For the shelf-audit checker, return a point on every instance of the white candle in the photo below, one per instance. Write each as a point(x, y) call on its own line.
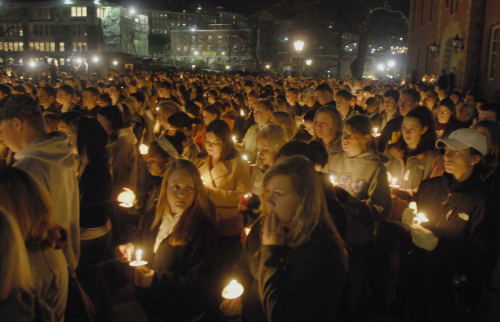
point(233, 290)
point(393, 183)
point(245, 157)
point(138, 259)
point(143, 149)
point(332, 180)
point(394, 180)
point(138, 255)
point(375, 132)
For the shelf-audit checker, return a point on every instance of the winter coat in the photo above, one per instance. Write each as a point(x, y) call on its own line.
point(225, 182)
point(290, 284)
point(50, 160)
point(123, 160)
point(183, 274)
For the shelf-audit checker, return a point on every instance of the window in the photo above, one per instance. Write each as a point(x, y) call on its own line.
point(61, 61)
point(52, 46)
point(185, 38)
point(209, 47)
point(79, 12)
point(178, 38)
point(193, 38)
point(200, 48)
point(454, 6)
point(178, 48)
point(219, 38)
point(493, 52)
point(422, 13)
point(192, 47)
point(200, 38)
point(220, 48)
point(431, 12)
point(209, 38)
point(61, 46)
point(185, 48)
point(235, 48)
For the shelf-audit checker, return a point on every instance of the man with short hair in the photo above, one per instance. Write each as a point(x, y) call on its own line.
point(343, 98)
point(64, 97)
point(310, 101)
point(47, 99)
point(90, 95)
point(324, 94)
point(48, 157)
point(291, 97)
point(4, 90)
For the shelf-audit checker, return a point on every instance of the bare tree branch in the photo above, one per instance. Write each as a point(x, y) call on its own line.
point(392, 11)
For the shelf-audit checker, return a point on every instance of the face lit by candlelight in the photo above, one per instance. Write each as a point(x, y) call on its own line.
point(213, 145)
point(180, 191)
point(266, 152)
point(281, 198)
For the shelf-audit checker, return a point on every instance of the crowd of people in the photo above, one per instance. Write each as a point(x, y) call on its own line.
point(326, 199)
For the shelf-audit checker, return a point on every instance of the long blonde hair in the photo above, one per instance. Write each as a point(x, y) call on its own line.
point(313, 209)
point(284, 120)
point(14, 264)
point(30, 203)
point(201, 206)
point(274, 134)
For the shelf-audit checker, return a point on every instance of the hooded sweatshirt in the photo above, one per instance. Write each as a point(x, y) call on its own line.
point(50, 160)
point(365, 178)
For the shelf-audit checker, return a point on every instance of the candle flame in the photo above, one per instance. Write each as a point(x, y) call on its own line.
point(143, 149)
point(234, 138)
point(232, 290)
point(245, 157)
point(394, 180)
point(332, 180)
point(421, 218)
point(139, 253)
point(242, 113)
point(375, 130)
point(413, 205)
point(126, 198)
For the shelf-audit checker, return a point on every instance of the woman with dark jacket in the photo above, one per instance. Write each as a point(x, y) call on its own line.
point(294, 263)
point(446, 122)
point(179, 241)
point(445, 271)
point(95, 184)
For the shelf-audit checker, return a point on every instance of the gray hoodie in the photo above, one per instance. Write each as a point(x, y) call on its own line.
point(50, 160)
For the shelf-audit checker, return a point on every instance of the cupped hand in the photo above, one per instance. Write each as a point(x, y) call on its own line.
point(143, 276)
point(124, 252)
point(273, 232)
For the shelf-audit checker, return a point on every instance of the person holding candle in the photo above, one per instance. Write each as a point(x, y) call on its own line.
point(42, 236)
point(180, 121)
point(460, 209)
point(446, 119)
point(363, 190)
point(294, 263)
point(227, 176)
point(179, 242)
point(262, 112)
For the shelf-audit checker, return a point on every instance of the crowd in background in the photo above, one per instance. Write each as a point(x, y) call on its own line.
point(326, 199)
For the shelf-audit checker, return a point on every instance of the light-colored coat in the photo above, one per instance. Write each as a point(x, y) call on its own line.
point(225, 182)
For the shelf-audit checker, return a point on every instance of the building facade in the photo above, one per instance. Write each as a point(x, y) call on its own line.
point(461, 34)
point(31, 31)
point(219, 45)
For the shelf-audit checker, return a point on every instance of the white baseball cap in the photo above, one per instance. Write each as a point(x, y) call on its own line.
point(465, 138)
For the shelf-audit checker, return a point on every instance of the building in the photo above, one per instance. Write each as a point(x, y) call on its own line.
point(219, 46)
point(464, 34)
point(60, 29)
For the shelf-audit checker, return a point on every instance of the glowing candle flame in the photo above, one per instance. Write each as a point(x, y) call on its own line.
point(375, 130)
point(394, 180)
point(234, 138)
point(246, 196)
point(421, 218)
point(242, 113)
point(332, 180)
point(203, 180)
point(245, 157)
point(138, 255)
point(143, 148)
point(126, 198)
point(232, 290)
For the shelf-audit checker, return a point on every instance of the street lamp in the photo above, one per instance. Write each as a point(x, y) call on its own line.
point(115, 62)
point(458, 44)
point(78, 60)
point(227, 67)
point(95, 59)
point(267, 66)
point(299, 45)
point(391, 63)
point(380, 67)
point(32, 64)
point(196, 53)
point(309, 62)
point(132, 11)
point(193, 66)
point(434, 48)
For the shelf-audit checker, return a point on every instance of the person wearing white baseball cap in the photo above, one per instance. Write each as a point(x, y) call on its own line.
point(448, 255)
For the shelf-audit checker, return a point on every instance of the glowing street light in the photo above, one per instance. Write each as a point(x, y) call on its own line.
point(309, 62)
point(299, 46)
point(227, 67)
point(391, 63)
point(79, 60)
point(193, 66)
point(32, 64)
point(196, 53)
point(132, 11)
point(267, 66)
point(95, 59)
point(380, 67)
point(115, 62)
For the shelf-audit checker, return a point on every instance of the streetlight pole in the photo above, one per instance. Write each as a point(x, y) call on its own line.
point(299, 45)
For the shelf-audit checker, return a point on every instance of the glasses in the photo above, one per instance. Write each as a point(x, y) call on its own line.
point(1, 126)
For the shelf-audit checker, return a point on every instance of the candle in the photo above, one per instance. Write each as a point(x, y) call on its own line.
point(393, 183)
point(157, 108)
point(245, 157)
point(126, 198)
point(420, 218)
point(203, 180)
point(413, 205)
point(233, 290)
point(242, 113)
point(234, 138)
point(138, 259)
point(332, 180)
point(375, 132)
point(143, 149)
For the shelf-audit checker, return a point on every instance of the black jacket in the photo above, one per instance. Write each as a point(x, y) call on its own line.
point(283, 284)
point(452, 126)
point(95, 194)
point(457, 213)
point(183, 275)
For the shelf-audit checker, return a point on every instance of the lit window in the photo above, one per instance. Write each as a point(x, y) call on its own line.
point(52, 46)
point(61, 46)
point(493, 53)
point(61, 61)
point(42, 46)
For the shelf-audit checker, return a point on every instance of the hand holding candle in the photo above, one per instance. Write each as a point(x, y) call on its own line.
point(232, 290)
point(393, 183)
point(126, 198)
point(332, 180)
point(420, 218)
point(234, 139)
point(138, 259)
point(375, 132)
point(242, 113)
